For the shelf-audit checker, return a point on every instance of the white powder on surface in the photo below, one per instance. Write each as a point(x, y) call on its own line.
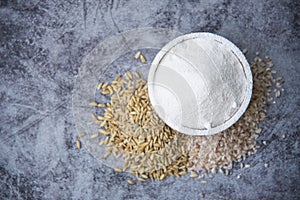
point(200, 84)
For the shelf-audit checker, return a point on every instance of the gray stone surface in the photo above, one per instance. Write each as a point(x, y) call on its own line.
point(42, 44)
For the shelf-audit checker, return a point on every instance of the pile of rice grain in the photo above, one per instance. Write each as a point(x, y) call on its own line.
point(149, 148)
point(218, 152)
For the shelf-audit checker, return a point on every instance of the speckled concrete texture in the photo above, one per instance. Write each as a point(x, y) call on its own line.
point(42, 45)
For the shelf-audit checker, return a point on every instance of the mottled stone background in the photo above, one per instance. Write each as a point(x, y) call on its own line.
point(42, 44)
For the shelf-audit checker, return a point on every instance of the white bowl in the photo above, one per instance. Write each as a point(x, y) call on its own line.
point(200, 84)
